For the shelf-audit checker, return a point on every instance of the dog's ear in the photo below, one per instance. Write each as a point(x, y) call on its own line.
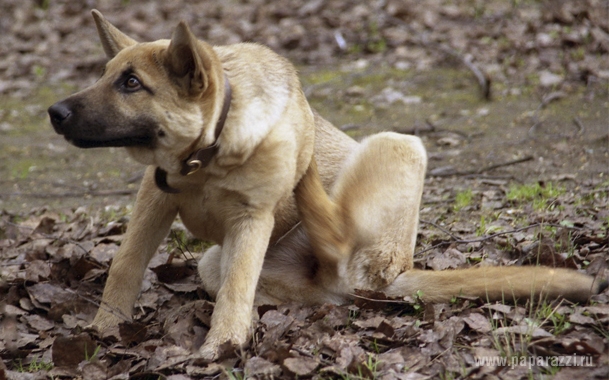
point(187, 60)
point(112, 39)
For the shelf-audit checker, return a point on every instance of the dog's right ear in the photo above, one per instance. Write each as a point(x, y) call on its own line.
point(112, 39)
point(188, 60)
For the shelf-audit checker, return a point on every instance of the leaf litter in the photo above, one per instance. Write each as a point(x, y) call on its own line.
point(54, 266)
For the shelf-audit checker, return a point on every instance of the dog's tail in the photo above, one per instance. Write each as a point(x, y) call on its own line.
point(495, 284)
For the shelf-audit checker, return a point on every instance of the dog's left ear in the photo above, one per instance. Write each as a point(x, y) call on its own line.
point(188, 60)
point(112, 39)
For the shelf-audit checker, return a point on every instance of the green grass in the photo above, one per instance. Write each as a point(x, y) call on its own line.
point(540, 196)
point(463, 199)
point(547, 314)
point(36, 365)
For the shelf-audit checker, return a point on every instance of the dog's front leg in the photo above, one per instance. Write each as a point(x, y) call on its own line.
point(243, 253)
point(150, 222)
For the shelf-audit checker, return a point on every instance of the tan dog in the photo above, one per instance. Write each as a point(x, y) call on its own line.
point(234, 149)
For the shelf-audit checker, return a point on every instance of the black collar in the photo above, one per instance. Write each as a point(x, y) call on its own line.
point(202, 157)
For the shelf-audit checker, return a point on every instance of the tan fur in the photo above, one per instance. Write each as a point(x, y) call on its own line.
point(278, 162)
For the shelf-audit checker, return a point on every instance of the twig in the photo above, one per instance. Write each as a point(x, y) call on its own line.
point(485, 238)
point(580, 126)
point(447, 232)
point(484, 169)
point(483, 79)
point(102, 305)
point(508, 163)
point(478, 240)
point(401, 302)
point(76, 194)
point(552, 96)
point(323, 361)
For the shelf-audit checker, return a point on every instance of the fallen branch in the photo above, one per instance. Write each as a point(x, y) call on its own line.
point(580, 126)
point(74, 194)
point(456, 240)
point(448, 173)
point(478, 240)
point(484, 81)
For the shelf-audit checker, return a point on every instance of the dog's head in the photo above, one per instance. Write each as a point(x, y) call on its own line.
point(159, 99)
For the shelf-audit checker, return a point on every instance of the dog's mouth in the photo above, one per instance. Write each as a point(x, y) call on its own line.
point(145, 141)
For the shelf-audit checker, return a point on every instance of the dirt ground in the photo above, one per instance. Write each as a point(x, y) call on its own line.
point(510, 98)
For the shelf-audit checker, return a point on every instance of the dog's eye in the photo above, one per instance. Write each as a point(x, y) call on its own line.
point(132, 84)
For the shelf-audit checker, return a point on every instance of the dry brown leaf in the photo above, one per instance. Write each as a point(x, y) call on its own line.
point(132, 333)
point(71, 350)
point(301, 366)
point(259, 367)
point(451, 258)
point(37, 270)
point(478, 322)
point(171, 273)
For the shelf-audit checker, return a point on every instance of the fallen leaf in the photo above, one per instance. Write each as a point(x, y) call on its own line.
point(478, 322)
point(71, 350)
point(301, 366)
point(259, 367)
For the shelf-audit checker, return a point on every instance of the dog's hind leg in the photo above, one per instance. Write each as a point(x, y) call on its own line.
point(210, 270)
point(380, 188)
point(366, 230)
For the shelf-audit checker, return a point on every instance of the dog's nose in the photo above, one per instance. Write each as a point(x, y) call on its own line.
point(59, 113)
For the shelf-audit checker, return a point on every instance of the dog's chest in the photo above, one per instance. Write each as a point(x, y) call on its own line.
point(202, 217)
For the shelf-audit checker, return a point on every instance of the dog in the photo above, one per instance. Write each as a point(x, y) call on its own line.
point(300, 212)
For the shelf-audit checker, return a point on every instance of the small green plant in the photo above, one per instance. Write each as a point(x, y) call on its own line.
point(372, 364)
point(481, 230)
point(93, 356)
point(540, 196)
point(181, 242)
point(418, 306)
point(235, 374)
point(375, 346)
point(353, 315)
point(548, 314)
point(463, 199)
point(39, 71)
point(44, 4)
point(36, 365)
point(509, 344)
point(377, 44)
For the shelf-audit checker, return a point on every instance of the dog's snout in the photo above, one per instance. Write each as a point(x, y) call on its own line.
point(59, 114)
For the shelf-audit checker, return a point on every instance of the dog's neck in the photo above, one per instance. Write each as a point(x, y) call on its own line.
point(201, 157)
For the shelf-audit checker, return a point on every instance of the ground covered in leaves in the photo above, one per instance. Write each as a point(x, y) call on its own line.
point(54, 266)
point(525, 188)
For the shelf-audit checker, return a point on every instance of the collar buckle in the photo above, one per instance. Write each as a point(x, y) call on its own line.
point(202, 157)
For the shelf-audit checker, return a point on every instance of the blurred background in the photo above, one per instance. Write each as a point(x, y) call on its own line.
point(483, 82)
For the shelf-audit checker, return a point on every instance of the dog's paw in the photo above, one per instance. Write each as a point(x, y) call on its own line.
point(376, 268)
point(208, 352)
point(104, 321)
point(211, 351)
